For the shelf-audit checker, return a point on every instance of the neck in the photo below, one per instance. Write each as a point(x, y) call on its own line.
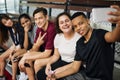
point(45, 26)
point(69, 35)
point(88, 35)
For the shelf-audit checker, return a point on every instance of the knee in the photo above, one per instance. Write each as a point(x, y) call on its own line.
point(2, 59)
point(37, 65)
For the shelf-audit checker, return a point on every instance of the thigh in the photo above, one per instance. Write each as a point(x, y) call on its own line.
point(4, 55)
point(77, 76)
point(58, 64)
point(41, 62)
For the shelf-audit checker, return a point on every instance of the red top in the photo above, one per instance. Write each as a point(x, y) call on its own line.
point(49, 37)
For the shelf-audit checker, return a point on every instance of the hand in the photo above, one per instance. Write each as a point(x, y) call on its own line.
point(11, 54)
point(17, 47)
point(40, 38)
point(26, 28)
point(22, 62)
point(116, 14)
point(52, 77)
point(48, 68)
point(12, 47)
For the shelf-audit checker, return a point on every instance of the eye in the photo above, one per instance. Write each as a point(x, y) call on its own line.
point(74, 26)
point(61, 22)
point(67, 20)
point(26, 21)
point(80, 23)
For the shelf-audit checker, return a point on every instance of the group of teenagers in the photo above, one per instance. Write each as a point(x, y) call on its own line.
point(69, 49)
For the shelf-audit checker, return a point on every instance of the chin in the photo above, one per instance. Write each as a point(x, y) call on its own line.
point(39, 26)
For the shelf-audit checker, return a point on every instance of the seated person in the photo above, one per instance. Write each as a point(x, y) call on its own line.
point(93, 49)
point(64, 46)
point(27, 34)
point(43, 43)
point(8, 27)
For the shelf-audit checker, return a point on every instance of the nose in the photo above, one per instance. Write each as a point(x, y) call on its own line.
point(25, 24)
point(9, 23)
point(65, 23)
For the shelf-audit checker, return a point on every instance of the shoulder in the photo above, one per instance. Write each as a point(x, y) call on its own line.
point(51, 24)
point(99, 31)
point(81, 40)
point(77, 35)
point(58, 36)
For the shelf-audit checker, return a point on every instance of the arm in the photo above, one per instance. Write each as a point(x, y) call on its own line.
point(37, 55)
point(19, 53)
point(75, 66)
point(114, 35)
point(53, 59)
point(4, 47)
point(66, 70)
point(26, 41)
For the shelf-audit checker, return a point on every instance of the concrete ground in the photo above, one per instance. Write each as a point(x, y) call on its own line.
point(116, 73)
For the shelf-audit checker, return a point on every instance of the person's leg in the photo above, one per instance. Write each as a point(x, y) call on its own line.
point(30, 70)
point(14, 70)
point(22, 71)
point(41, 73)
point(3, 57)
point(40, 63)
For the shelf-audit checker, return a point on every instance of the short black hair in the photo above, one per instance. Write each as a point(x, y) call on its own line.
point(41, 9)
point(78, 14)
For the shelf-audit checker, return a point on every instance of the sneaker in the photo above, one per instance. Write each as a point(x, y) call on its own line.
point(23, 76)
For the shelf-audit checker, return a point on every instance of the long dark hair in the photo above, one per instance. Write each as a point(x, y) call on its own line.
point(4, 36)
point(6, 17)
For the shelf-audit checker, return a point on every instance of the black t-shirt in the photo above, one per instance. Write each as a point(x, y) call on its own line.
point(97, 55)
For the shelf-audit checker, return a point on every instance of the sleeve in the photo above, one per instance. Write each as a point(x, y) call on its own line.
point(56, 41)
point(51, 35)
point(101, 34)
point(80, 51)
point(77, 55)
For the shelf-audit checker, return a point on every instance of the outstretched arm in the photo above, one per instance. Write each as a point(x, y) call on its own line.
point(114, 35)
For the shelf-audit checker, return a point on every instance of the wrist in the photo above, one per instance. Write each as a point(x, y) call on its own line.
point(36, 45)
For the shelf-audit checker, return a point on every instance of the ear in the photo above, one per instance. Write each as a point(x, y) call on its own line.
point(88, 21)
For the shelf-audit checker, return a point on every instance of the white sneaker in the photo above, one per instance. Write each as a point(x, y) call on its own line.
point(23, 76)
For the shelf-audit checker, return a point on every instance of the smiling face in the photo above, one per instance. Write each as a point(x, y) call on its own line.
point(7, 22)
point(65, 24)
point(40, 19)
point(25, 22)
point(81, 25)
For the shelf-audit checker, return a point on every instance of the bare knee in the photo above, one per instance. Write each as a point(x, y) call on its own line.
point(38, 65)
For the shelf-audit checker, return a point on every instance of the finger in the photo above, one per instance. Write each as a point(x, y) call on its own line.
point(116, 11)
point(43, 35)
point(115, 7)
point(114, 20)
point(39, 35)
